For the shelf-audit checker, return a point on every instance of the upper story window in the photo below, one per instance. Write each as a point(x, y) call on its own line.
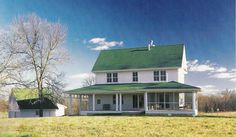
point(112, 77)
point(115, 77)
point(156, 76)
point(159, 75)
point(163, 75)
point(109, 79)
point(135, 76)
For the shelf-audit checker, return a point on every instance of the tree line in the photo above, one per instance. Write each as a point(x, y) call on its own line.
point(223, 101)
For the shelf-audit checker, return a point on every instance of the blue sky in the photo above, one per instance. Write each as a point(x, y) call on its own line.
point(206, 27)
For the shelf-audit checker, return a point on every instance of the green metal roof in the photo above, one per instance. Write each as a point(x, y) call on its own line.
point(27, 98)
point(27, 93)
point(35, 104)
point(133, 87)
point(137, 58)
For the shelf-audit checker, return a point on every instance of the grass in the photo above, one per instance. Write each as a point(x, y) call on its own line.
point(217, 125)
point(3, 114)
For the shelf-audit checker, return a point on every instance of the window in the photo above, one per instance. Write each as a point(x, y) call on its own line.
point(167, 100)
point(114, 99)
point(115, 77)
point(159, 75)
point(162, 100)
point(122, 99)
point(36, 112)
point(109, 79)
point(135, 101)
point(156, 76)
point(163, 75)
point(135, 76)
point(98, 101)
point(112, 77)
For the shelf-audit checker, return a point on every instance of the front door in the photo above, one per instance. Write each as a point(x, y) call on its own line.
point(138, 101)
point(141, 101)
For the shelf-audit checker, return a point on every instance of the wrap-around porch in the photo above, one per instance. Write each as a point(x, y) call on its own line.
point(132, 103)
point(149, 98)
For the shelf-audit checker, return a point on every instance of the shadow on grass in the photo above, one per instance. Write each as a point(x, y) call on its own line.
point(143, 115)
point(216, 116)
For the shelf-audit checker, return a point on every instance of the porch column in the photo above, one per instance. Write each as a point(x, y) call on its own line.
point(70, 104)
point(194, 104)
point(145, 101)
point(117, 102)
point(120, 102)
point(93, 102)
point(79, 101)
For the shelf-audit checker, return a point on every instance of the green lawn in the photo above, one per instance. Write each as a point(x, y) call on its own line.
point(221, 125)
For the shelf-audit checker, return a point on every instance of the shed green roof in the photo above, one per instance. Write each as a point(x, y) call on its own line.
point(27, 93)
point(133, 87)
point(35, 104)
point(139, 58)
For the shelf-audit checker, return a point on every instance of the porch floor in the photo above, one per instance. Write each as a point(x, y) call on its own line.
point(111, 112)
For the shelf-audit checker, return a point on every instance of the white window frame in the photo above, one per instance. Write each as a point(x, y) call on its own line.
point(156, 76)
point(111, 78)
point(135, 77)
point(159, 76)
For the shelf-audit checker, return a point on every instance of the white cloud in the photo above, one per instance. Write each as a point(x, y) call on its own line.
point(233, 79)
point(222, 75)
point(81, 76)
point(221, 69)
point(195, 66)
point(3, 31)
point(76, 80)
point(230, 75)
point(213, 70)
point(209, 89)
point(102, 44)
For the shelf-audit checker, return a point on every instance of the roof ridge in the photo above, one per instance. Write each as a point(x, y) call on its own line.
point(164, 45)
point(33, 99)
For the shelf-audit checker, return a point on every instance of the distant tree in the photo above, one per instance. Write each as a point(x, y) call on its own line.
point(3, 105)
point(90, 80)
point(39, 51)
point(227, 99)
point(224, 101)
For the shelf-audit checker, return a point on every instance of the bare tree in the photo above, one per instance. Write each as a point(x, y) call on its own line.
point(7, 58)
point(90, 80)
point(224, 101)
point(39, 52)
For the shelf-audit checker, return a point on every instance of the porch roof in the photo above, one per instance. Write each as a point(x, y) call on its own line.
point(133, 87)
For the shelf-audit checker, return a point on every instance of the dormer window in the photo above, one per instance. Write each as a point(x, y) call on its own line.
point(135, 76)
point(159, 75)
point(112, 77)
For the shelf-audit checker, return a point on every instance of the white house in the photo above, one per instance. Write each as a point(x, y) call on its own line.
point(146, 80)
point(22, 103)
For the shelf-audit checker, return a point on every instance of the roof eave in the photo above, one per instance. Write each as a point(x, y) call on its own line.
point(135, 69)
point(137, 91)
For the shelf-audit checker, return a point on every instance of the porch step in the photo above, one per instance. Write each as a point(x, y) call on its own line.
point(133, 112)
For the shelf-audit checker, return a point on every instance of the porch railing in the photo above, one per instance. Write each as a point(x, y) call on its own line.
point(169, 106)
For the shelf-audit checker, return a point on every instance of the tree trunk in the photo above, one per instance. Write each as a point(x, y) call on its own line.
point(40, 102)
